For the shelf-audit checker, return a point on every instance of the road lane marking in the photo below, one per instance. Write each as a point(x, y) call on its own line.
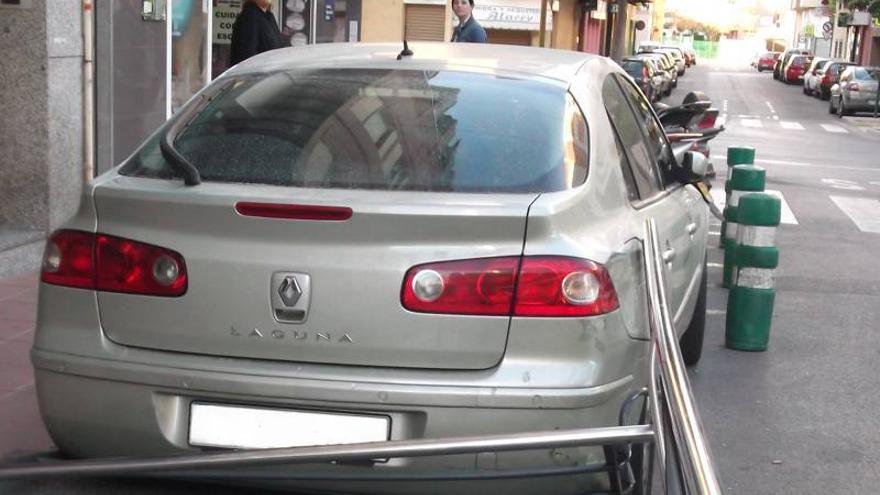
point(834, 128)
point(804, 164)
point(787, 215)
point(846, 185)
point(770, 106)
point(715, 265)
point(751, 123)
point(719, 197)
point(792, 126)
point(711, 312)
point(776, 117)
point(864, 212)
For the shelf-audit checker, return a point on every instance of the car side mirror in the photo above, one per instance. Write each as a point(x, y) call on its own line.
point(695, 163)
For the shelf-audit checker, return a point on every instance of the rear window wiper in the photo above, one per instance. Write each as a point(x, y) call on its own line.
point(191, 176)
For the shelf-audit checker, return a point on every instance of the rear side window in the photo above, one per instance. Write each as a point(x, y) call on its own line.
point(632, 138)
point(383, 129)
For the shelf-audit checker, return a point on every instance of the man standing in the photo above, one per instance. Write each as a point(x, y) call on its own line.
point(255, 31)
point(468, 29)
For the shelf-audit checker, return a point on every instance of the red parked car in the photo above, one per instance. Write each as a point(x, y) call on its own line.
point(797, 66)
point(767, 61)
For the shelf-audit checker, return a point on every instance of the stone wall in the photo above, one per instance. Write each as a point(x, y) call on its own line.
point(40, 113)
point(24, 133)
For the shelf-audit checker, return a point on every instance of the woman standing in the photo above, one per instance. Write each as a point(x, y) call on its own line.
point(468, 29)
point(255, 31)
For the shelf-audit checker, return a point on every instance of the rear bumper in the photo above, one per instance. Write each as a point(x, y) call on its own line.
point(95, 407)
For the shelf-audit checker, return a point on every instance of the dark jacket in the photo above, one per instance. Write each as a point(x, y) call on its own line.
point(470, 32)
point(254, 32)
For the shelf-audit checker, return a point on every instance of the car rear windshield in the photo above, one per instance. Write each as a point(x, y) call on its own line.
point(633, 67)
point(867, 74)
point(382, 129)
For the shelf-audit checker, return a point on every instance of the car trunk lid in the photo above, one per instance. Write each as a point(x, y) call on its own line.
point(350, 271)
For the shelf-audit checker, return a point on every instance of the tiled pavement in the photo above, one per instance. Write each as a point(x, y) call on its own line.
point(21, 430)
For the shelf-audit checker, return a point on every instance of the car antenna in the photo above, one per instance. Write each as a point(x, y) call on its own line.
point(406, 52)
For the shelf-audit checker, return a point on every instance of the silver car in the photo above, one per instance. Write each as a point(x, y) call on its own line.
point(855, 92)
point(329, 244)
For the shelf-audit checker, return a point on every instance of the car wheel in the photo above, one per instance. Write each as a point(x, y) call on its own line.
point(824, 95)
point(691, 342)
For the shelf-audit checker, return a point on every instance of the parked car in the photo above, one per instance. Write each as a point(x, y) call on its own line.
point(665, 62)
point(782, 62)
point(766, 61)
point(336, 238)
point(652, 81)
point(855, 92)
point(795, 69)
point(693, 54)
point(684, 54)
point(814, 74)
point(677, 56)
point(830, 77)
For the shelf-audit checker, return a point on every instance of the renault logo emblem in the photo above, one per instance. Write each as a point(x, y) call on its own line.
point(290, 291)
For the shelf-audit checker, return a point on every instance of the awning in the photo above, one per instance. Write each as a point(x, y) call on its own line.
point(512, 14)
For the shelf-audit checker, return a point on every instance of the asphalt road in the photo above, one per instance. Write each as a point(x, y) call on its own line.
point(796, 419)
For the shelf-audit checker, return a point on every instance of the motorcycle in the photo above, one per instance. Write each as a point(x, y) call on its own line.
point(691, 125)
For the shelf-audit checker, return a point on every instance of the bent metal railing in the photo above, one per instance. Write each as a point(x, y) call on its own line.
point(685, 464)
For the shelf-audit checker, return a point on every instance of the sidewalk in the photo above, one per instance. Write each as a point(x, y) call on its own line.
point(865, 124)
point(21, 429)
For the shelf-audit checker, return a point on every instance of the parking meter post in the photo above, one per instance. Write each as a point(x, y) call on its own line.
point(751, 300)
point(736, 155)
point(744, 179)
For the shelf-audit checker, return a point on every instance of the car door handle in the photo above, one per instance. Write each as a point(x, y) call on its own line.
point(669, 255)
point(691, 228)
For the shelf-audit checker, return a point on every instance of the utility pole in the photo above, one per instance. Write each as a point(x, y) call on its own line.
point(543, 32)
point(620, 31)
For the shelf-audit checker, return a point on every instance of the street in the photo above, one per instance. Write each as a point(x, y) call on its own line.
point(792, 420)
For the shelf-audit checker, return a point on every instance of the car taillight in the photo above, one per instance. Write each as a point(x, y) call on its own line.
point(470, 287)
point(645, 73)
point(113, 264)
point(826, 79)
point(708, 120)
point(545, 286)
point(69, 259)
point(853, 87)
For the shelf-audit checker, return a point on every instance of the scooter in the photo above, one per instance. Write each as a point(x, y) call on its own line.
point(691, 125)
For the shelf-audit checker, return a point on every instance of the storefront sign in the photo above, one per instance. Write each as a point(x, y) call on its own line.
point(224, 17)
point(503, 17)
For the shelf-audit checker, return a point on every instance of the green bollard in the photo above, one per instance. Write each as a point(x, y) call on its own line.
point(744, 179)
point(736, 155)
point(750, 303)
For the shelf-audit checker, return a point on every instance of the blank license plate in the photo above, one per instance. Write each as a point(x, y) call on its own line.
point(214, 425)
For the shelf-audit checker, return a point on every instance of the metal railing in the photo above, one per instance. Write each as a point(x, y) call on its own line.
point(680, 410)
point(675, 434)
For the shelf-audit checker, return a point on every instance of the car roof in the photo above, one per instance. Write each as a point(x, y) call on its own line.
point(544, 63)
